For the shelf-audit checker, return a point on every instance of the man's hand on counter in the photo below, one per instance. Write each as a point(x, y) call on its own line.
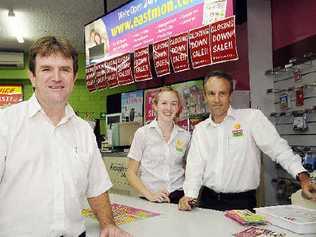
point(113, 231)
point(187, 203)
point(308, 187)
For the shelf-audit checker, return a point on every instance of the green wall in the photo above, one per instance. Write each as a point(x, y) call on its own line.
point(87, 105)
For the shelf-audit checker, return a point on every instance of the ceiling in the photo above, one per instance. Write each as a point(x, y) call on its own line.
point(63, 18)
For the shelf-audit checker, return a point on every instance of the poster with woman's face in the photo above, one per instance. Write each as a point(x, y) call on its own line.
point(97, 41)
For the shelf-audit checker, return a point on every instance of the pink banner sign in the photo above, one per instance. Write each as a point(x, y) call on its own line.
point(161, 58)
point(199, 42)
point(100, 75)
point(149, 113)
point(223, 40)
point(90, 78)
point(124, 70)
point(142, 71)
point(111, 73)
point(179, 52)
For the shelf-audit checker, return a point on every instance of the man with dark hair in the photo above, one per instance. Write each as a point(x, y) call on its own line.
point(49, 159)
point(223, 162)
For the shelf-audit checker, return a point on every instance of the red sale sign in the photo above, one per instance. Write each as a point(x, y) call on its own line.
point(142, 71)
point(199, 42)
point(100, 76)
point(179, 52)
point(90, 78)
point(223, 40)
point(161, 58)
point(124, 70)
point(111, 73)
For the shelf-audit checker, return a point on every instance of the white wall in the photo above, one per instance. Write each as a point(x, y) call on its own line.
point(260, 60)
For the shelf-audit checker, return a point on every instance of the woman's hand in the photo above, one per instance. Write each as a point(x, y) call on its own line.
point(162, 196)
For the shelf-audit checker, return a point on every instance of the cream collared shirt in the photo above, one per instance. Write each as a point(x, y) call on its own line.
point(47, 172)
point(161, 163)
point(226, 158)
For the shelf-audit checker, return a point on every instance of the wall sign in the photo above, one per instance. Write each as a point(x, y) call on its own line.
point(124, 70)
point(223, 40)
point(179, 52)
point(90, 78)
point(199, 42)
point(10, 94)
point(111, 73)
point(142, 69)
point(100, 76)
point(161, 58)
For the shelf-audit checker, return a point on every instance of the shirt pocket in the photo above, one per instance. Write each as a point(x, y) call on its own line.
point(236, 145)
point(80, 171)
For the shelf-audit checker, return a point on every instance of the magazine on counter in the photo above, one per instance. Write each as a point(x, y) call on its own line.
point(258, 232)
point(245, 217)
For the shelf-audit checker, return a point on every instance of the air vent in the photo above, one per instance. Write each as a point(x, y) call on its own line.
point(11, 59)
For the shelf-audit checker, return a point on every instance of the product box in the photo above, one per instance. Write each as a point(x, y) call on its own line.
point(294, 218)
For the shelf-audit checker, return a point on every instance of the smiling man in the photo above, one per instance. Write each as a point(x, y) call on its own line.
point(224, 156)
point(49, 160)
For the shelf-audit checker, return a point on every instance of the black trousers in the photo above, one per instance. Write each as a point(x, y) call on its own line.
point(226, 201)
point(175, 196)
point(83, 234)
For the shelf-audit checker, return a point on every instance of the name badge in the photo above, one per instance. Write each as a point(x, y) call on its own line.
point(179, 145)
point(237, 130)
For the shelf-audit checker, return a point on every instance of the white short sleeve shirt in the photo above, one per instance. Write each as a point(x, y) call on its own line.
point(225, 157)
point(161, 163)
point(47, 172)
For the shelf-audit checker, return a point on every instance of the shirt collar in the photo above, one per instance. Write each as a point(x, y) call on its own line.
point(154, 124)
point(231, 113)
point(35, 107)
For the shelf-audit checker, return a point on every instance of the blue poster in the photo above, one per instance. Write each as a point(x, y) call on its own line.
point(132, 106)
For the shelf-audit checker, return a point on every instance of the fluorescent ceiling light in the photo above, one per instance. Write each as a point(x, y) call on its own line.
point(15, 26)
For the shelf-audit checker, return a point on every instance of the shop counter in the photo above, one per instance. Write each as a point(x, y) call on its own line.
point(175, 223)
point(116, 165)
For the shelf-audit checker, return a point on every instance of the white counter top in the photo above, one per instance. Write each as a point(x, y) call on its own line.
point(174, 223)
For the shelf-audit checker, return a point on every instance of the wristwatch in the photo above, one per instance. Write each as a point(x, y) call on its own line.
point(305, 174)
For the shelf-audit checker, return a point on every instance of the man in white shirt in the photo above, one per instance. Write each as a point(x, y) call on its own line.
point(49, 160)
point(224, 156)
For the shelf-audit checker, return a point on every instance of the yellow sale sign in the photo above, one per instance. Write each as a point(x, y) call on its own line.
point(10, 94)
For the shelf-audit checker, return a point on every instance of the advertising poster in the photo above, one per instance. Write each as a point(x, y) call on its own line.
point(132, 106)
point(223, 40)
point(149, 113)
point(142, 69)
point(179, 52)
point(191, 93)
point(161, 58)
point(10, 94)
point(124, 70)
point(142, 22)
point(100, 76)
point(111, 73)
point(214, 10)
point(96, 42)
point(199, 42)
point(90, 78)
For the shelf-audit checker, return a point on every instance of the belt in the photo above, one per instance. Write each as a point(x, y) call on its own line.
point(83, 234)
point(220, 196)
